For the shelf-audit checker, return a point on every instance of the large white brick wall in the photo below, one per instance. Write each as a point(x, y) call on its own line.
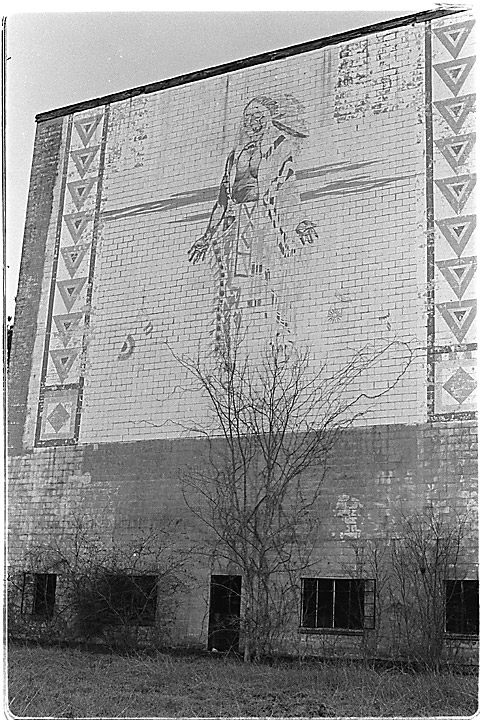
point(360, 178)
point(362, 280)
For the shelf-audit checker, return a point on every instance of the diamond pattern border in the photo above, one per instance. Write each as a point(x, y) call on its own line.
point(456, 385)
point(57, 415)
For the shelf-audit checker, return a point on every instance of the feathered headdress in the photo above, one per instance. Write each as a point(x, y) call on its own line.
point(287, 113)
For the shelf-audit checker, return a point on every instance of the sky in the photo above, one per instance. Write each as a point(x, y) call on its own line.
point(55, 59)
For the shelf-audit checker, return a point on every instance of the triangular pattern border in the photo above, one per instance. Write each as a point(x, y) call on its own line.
point(457, 201)
point(458, 285)
point(444, 69)
point(73, 320)
point(447, 310)
point(458, 242)
point(454, 47)
point(83, 159)
point(445, 146)
point(445, 107)
point(67, 253)
point(70, 299)
point(76, 224)
point(76, 186)
point(63, 369)
point(86, 127)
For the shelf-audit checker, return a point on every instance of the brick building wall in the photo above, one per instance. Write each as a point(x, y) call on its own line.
point(366, 155)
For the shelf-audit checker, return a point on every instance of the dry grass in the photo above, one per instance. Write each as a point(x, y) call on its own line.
point(70, 683)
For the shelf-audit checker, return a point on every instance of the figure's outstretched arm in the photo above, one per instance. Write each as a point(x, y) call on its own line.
point(199, 248)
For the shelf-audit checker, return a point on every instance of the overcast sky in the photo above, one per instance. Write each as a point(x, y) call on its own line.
point(56, 59)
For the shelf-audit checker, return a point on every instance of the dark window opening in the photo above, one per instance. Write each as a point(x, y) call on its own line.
point(38, 596)
point(462, 607)
point(129, 599)
point(338, 604)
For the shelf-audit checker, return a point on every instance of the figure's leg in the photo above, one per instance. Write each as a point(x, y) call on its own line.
point(227, 296)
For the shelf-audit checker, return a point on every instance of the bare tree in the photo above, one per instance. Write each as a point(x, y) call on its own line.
point(271, 424)
point(413, 573)
point(423, 559)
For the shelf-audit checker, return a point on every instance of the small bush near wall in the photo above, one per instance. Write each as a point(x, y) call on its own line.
point(84, 588)
point(426, 612)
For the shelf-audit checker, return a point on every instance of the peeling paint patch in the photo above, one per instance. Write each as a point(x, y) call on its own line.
point(375, 77)
point(347, 507)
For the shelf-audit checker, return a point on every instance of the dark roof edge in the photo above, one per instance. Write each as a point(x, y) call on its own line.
point(419, 17)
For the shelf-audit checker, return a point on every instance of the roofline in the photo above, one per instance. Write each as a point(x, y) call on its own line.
point(251, 61)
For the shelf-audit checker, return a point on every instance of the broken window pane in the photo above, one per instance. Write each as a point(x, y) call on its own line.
point(342, 604)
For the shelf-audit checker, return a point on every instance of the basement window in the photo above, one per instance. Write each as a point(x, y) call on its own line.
point(462, 607)
point(38, 595)
point(338, 604)
point(130, 600)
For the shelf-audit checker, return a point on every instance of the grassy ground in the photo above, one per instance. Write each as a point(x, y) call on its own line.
point(70, 683)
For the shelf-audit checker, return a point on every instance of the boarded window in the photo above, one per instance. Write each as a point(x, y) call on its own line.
point(38, 595)
point(341, 604)
point(462, 607)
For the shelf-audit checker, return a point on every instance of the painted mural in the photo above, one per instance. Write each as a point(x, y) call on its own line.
point(256, 225)
point(251, 244)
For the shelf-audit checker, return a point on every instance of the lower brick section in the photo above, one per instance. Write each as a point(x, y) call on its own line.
point(376, 476)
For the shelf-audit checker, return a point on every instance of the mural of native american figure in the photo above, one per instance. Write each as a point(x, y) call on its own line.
point(255, 227)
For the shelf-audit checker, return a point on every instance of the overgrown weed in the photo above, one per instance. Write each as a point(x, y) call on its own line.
point(71, 683)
